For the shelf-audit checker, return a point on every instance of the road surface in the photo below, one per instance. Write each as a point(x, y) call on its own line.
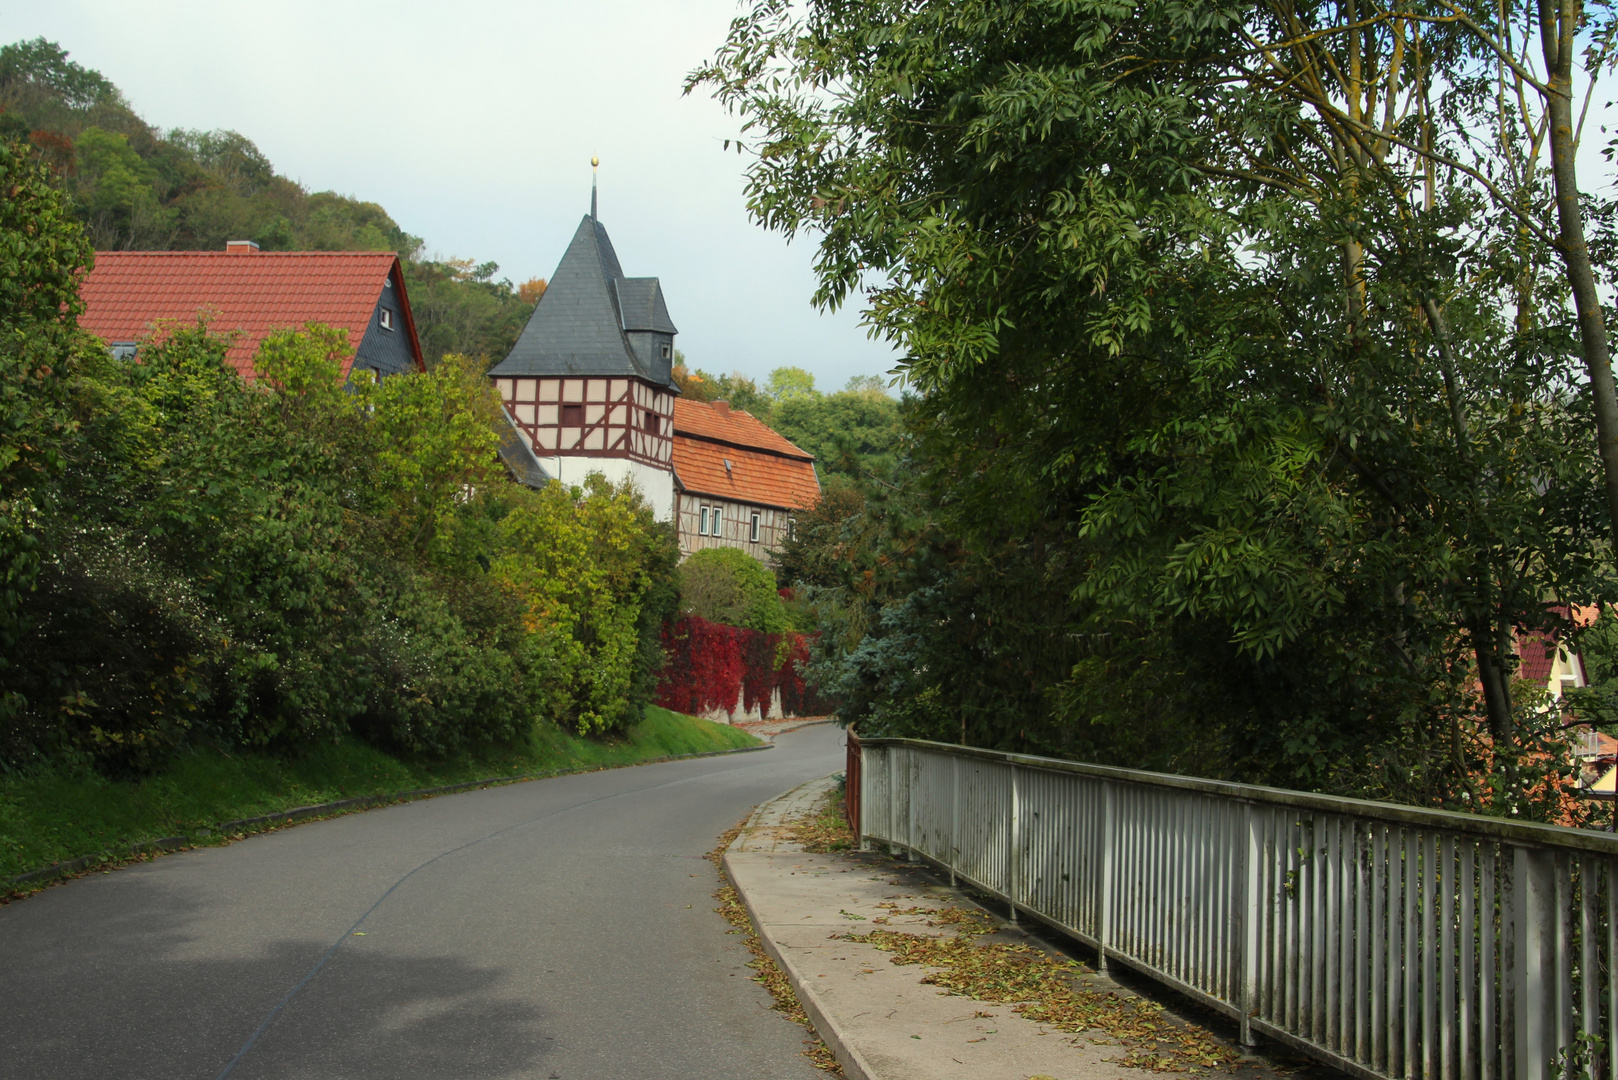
point(559, 928)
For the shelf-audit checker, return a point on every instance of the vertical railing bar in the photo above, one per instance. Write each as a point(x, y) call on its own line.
point(1490, 934)
point(1362, 941)
point(1342, 983)
point(1325, 940)
point(1395, 948)
point(1174, 870)
point(1249, 999)
point(1448, 899)
point(1429, 954)
point(1412, 959)
point(1287, 944)
point(1589, 966)
point(1379, 946)
point(1105, 885)
point(1562, 950)
point(1610, 1029)
point(1469, 935)
point(1505, 962)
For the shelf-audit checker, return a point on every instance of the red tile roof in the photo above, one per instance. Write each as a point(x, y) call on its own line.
point(717, 420)
point(255, 293)
point(765, 469)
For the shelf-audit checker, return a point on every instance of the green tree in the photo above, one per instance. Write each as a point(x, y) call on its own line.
point(786, 383)
point(1288, 406)
point(727, 585)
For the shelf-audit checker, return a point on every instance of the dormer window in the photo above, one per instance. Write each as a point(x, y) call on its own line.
point(385, 318)
point(668, 350)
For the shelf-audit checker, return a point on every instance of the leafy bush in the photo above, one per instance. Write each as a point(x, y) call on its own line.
point(191, 557)
point(727, 585)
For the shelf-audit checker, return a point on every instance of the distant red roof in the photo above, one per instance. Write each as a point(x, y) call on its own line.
point(765, 469)
point(253, 293)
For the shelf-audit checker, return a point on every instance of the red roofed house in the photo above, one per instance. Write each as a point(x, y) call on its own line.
point(254, 292)
point(737, 482)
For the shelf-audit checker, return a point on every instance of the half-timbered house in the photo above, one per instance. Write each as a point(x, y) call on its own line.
point(738, 482)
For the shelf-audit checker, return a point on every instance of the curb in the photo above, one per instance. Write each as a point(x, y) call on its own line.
point(69, 867)
point(852, 1061)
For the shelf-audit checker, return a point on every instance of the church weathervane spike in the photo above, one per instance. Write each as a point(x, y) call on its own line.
point(595, 162)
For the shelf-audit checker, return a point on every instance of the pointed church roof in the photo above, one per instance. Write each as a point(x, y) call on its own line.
point(579, 324)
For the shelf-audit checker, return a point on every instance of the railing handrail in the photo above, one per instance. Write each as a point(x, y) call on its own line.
point(1517, 832)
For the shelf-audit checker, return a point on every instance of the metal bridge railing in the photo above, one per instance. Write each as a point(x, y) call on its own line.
point(1386, 940)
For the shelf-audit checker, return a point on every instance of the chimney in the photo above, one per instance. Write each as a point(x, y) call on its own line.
point(241, 247)
point(722, 408)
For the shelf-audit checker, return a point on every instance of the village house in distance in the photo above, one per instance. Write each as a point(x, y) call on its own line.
point(251, 293)
point(589, 387)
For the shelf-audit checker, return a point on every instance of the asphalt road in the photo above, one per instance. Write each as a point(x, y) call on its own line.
point(560, 928)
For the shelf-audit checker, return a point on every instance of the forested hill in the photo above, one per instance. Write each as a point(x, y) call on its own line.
point(136, 187)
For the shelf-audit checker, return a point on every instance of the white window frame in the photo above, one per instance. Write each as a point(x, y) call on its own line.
point(754, 538)
point(385, 319)
point(702, 525)
point(718, 519)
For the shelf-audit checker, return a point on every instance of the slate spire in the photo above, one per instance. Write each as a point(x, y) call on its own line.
point(592, 320)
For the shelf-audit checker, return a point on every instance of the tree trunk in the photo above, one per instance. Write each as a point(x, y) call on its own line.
point(1556, 35)
point(1496, 683)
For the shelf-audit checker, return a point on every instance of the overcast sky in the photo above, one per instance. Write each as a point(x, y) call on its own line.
point(474, 123)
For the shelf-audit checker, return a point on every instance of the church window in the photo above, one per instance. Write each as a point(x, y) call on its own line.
point(667, 350)
point(754, 536)
point(572, 415)
point(650, 418)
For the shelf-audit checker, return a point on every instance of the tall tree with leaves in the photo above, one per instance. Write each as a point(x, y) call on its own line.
point(1263, 365)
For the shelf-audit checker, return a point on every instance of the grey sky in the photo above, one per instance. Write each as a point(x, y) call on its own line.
point(474, 124)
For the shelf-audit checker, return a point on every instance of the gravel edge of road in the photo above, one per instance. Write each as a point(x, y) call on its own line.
point(61, 871)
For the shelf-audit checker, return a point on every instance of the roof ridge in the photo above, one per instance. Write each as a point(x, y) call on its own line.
point(800, 455)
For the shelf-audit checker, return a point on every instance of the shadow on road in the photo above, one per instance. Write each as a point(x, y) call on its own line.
point(148, 985)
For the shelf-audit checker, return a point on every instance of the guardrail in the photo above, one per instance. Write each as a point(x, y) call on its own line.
point(1385, 940)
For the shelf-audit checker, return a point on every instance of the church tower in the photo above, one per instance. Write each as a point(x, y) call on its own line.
point(589, 384)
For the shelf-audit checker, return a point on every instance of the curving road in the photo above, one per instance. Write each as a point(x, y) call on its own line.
point(560, 928)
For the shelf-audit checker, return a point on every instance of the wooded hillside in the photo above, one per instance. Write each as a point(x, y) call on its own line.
point(136, 187)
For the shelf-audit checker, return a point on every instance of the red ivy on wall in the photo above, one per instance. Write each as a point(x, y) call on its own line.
point(711, 665)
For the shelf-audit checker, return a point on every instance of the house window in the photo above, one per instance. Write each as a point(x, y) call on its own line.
point(386, 318)
point(754, 535)
point(702, 529)
point(668, 350)
point(716, 520)
point(572, 415)
point(792, 529)
point(650, 418)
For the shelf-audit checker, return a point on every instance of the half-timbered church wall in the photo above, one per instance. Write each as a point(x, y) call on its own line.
point(588, 385)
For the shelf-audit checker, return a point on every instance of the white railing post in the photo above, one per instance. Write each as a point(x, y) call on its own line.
point(913, 786)
point(1014, 850)
point(1249, 932)
point(955, 821)
point(1533, 881)
point(1108, 867)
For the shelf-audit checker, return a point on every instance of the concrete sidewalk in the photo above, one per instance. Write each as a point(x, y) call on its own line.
point(878, 1018)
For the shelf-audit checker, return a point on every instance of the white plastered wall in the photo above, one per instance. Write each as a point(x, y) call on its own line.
point(656, 484)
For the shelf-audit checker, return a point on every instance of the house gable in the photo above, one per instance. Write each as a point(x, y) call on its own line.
point(129, 294)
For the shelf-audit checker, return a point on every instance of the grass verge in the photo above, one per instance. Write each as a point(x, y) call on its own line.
point(50, 816)
point(769, 974)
